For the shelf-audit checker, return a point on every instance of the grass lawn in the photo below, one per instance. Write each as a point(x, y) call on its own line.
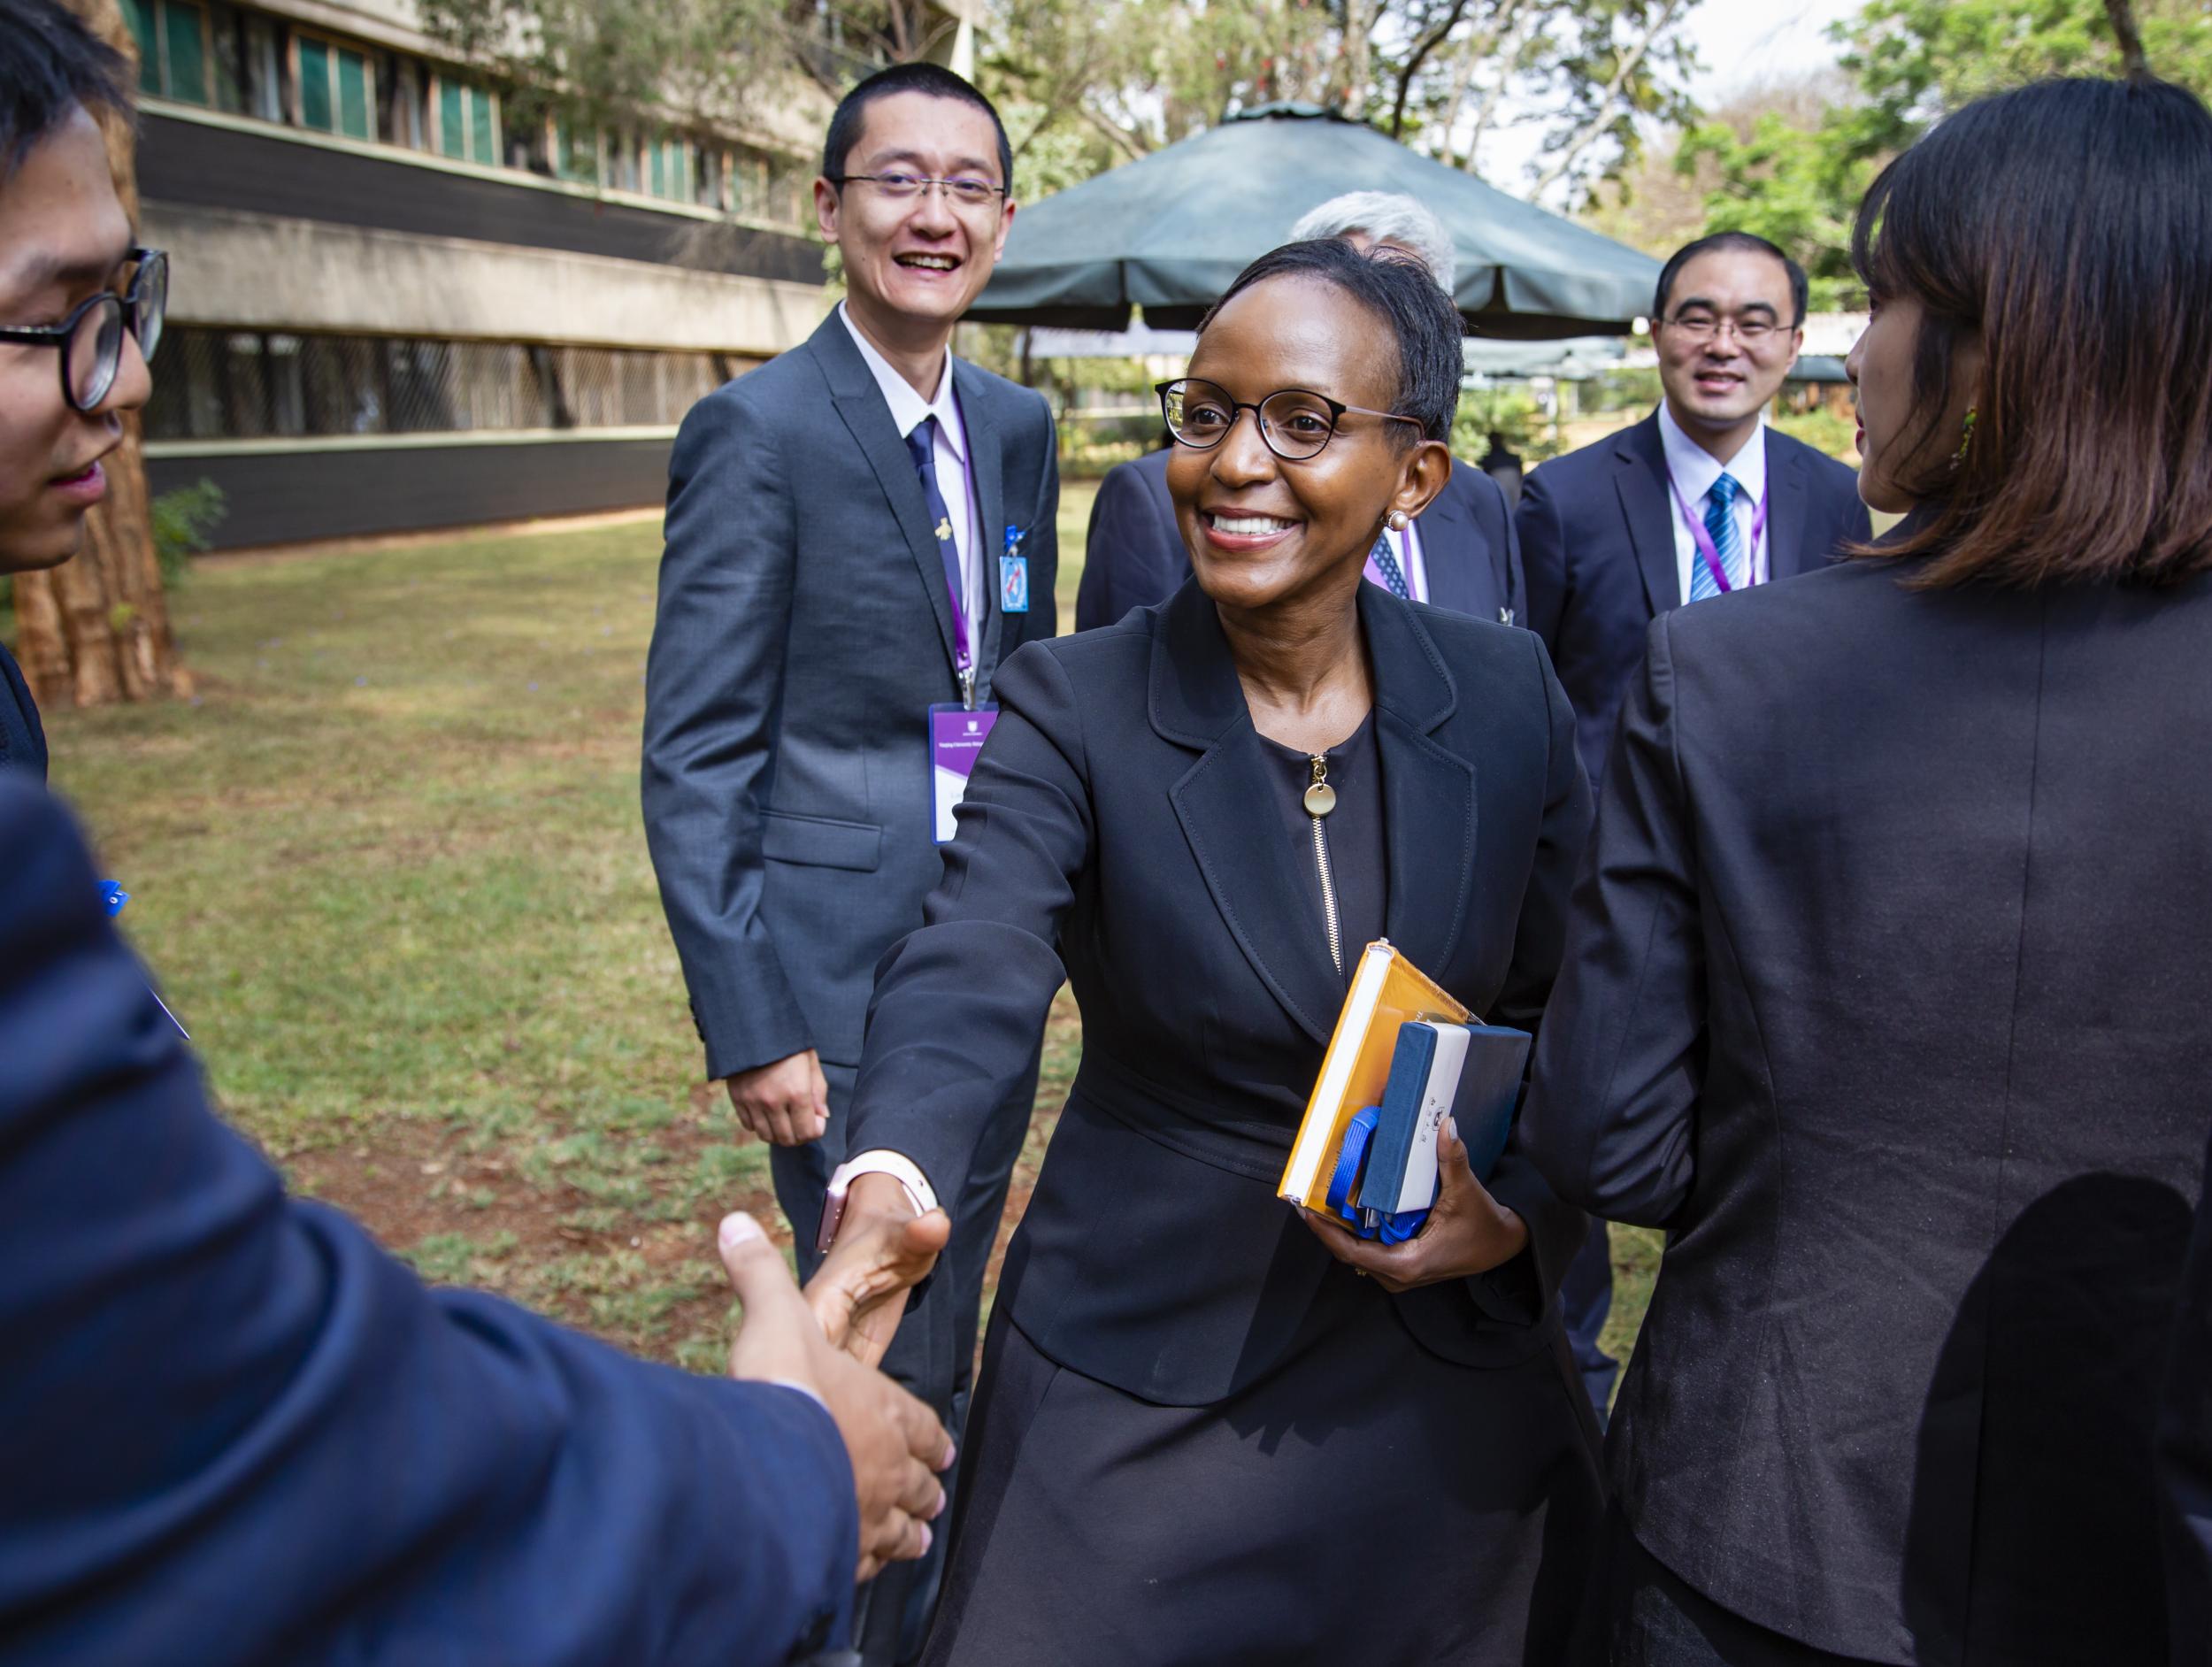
point(388, 868)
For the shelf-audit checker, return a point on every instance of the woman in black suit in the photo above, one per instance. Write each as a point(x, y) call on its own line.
point(1885, 992)
point(1199, 1436)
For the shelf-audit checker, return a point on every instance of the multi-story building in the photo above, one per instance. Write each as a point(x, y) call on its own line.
point(397, 304)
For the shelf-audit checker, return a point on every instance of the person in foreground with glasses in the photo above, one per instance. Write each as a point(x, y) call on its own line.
point(237, 1430)
point(1208, 1428)
point(80, 314)
point(1699, 499)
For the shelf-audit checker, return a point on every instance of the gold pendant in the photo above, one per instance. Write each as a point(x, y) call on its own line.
point(1320, 799)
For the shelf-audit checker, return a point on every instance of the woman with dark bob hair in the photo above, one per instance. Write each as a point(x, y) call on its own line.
point(1884, 994)
point(1207, 1431)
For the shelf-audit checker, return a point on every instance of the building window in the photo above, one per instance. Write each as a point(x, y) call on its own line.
point(576, 154)
point(219, 384)
point(403, 106)
point(668, 171)
point(335, 94)
point(172, 55)
point(468, 122)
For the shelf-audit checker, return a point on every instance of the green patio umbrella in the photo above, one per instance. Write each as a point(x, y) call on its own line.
point(1170, 232)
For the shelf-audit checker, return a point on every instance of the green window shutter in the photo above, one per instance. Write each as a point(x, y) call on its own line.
point(453, 139)
point(483, 128)
point(315, 86)
point(655, 181)
point(139, 15)
point(186, 49)
point(353, 95)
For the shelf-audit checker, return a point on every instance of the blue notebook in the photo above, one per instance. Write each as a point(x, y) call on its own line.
point(1470, 1072)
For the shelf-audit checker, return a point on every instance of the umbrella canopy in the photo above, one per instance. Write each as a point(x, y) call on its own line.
point(1169, 233)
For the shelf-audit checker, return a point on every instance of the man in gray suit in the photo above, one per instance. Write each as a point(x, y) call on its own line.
point(858, 532)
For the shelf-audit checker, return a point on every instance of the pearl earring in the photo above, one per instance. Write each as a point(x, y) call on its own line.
point(1397, 521)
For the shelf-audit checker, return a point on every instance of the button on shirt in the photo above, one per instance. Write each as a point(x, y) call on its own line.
point(907, 412)
point(1695, 469)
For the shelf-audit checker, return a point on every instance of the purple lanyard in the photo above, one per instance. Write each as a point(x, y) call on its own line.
point(1703, 539)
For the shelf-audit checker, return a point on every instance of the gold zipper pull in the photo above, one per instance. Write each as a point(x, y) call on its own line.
point(1320, 796)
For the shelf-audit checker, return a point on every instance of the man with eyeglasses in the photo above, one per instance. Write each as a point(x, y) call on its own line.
point(1699, 499)
point(79, 313)
point(859, 533)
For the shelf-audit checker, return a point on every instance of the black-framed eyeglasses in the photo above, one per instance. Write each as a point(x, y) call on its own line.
point(91, 337)
point(1751, 329)
point(900, 187)
point(1296, 423)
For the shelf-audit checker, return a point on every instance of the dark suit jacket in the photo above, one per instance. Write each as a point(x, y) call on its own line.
point(2184, 1452)
point(238, 1431)
point(1133, 556)
point(1597, 542)
point(1118, 825)
point(803, 632)
point(22, 738)
point(1887, 1000)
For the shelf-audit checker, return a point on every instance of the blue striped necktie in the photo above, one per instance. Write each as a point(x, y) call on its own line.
point(1386, 565)
point(1720, 525)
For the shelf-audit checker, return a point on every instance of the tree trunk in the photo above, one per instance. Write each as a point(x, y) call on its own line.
point(95, 630)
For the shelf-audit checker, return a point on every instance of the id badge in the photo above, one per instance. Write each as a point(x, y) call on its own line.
point(957, 735)
point(1013, 584)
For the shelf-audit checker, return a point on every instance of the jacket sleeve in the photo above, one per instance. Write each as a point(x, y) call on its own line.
point(230, 1416)
point(960, 1002)
point(1132, 557)
point(1543, 541)
point(1555, 1227)
point(1044, 603)
point(713, 700)
point(2184, 1453)
point(1620, 1060)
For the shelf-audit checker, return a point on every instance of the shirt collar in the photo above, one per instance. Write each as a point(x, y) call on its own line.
point(909, 408)
point(1695, 469)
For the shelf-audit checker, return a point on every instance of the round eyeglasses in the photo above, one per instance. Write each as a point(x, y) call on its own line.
point(902, 188)
point(1296, 423)
point(91, 337)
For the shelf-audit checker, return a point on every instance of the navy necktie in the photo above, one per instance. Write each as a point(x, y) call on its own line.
point(1386, 565)
point(921, 445)
point(1720, 526)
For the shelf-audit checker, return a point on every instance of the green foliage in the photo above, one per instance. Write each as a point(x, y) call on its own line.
point(1510, 411)
point(1799, 183)
point(1823, 429)
point(182, 520)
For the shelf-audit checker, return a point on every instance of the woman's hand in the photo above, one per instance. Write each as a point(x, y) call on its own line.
point(1468, 1232)
point(883, 1249)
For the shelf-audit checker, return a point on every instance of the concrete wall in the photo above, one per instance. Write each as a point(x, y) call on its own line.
point(235, 267)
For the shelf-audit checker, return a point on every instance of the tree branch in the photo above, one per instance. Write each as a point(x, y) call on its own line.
point(1422, 48)
point(1601, 117)
point(2133, 65)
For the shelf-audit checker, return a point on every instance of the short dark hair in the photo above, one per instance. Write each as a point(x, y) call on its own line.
point(50, 65)
point(1399, 290)
point(2069, 224)
point(938, 83)
point(1742, 242)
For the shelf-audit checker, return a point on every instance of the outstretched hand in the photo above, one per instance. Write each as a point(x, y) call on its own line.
point(883, 1249)
point(1468, 1232)
point(895, 1442)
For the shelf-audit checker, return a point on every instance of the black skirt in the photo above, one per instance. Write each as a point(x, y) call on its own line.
point(1363, 1503)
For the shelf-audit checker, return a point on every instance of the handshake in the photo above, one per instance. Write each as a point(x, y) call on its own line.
point(825, 1342)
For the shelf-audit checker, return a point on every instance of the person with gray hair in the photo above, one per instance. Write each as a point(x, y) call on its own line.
point(1372, 219)
point(1462, 552)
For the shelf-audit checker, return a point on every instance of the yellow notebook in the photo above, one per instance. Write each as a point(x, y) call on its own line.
point(1387, 990)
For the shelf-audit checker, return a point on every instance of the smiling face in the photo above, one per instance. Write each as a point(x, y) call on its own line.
point(1722, 382)
point(1262, 531)
point(919, 261)
point(63, 236)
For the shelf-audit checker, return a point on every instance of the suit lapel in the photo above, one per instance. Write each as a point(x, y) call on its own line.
point(1428, 802)
point(987, 456)
point(1453, 549)
point(1789, 525)
point(1641, 481)
point(860, 404)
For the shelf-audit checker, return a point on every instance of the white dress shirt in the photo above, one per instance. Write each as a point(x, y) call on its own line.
point(1695, 469)
point(907, 410)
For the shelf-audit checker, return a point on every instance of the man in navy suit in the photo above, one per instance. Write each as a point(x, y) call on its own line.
point(65, 241)
point(238, 1431)
point(1460, 554)
point(1699, 498)
point(858, 532)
